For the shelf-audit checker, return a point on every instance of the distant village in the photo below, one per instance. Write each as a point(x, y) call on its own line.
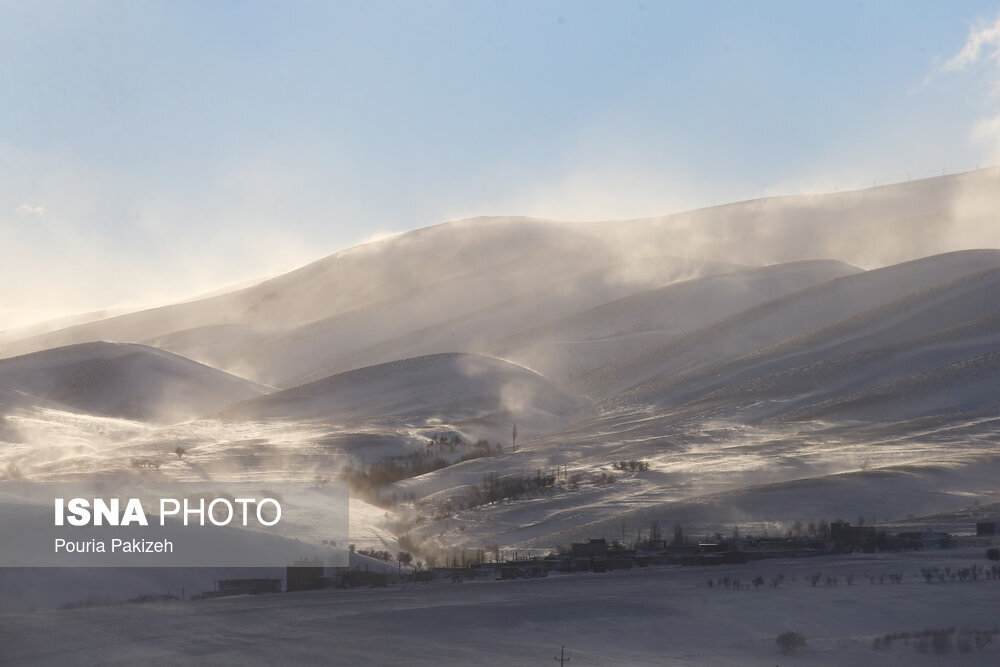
point(599, 555)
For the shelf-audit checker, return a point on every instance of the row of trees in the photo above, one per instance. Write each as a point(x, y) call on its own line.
point(634, 465)
point(495, 489)
point(931, 574)
point(940, 640)
point(443, 442)
point(455, 556)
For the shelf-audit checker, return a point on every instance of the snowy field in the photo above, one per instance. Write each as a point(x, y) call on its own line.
point(638, 617)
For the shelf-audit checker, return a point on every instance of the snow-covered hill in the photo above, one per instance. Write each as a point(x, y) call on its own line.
point(429, 321)
point(475, 285)
point(932, 327)
point(122, 380)
point(571, 346)
point(789, 394)
point(967, 386)
point(781, 319)
point(449, 288)
point(444, 387)
point(870, 228)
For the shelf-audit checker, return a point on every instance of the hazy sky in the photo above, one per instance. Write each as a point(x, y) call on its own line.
point(150, 150)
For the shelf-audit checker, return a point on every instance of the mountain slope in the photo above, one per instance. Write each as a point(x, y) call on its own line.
point(789, 394)
point(124, 380)
point(969, 385)
point(781, 319)
point(486, 279)
point(946, 323)
point(385, 290)
point(451, 387)
point(458, 315)
point(870, 228)
point(586, 340)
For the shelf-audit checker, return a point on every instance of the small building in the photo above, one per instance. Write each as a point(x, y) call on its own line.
point(595, 548)
point(705, 548)
point(589, 555)
point(359, 578)
point(523, 571)
point(227, 587)
point(986, 528)
point(306, 576)
point(930, 540)
point(681, 550)
point(658, 546)
point(844, 535)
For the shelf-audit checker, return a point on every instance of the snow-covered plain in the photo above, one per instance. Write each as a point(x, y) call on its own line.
point(639, 617)
point(786, 375)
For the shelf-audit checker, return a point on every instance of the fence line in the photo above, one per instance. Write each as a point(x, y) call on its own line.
point(906, 177)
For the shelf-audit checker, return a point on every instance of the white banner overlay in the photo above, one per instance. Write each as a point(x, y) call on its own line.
point(180, 524)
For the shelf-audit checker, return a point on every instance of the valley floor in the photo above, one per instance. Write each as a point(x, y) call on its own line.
point(638, 617)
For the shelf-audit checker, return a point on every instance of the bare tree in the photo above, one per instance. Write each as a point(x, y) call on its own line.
point(789, 641)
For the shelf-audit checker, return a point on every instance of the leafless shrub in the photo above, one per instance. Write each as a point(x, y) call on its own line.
point(790, 641)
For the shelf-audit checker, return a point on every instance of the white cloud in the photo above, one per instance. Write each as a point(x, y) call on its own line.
point(982, 49)
point(33, 210)
point(982, 37)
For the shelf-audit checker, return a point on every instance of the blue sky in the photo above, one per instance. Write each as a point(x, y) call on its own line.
point(151, 150)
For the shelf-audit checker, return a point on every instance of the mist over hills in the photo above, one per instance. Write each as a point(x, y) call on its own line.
point(570, 347)
point(795, 341)
point(463, 279)
point(870, 228)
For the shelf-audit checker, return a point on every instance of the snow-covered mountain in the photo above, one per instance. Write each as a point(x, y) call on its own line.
point(938, 325)
point(813, 344)
point(448, 288)
point(870, 228)
point(571, 346)
point(781, 319)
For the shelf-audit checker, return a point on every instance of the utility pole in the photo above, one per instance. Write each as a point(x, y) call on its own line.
point(562, 656)
point(513, 438)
